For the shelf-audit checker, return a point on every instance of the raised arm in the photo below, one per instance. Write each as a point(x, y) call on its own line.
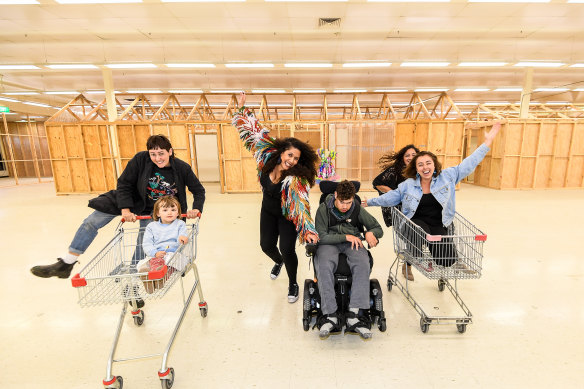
point(296, 206)
point(255, 137)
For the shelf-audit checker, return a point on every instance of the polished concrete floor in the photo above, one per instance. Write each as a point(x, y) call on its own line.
point(528, 307)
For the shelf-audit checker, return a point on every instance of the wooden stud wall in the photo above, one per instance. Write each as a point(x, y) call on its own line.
point(534, 154)
point(29, 147)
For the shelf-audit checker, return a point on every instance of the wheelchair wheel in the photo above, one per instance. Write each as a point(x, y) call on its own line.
point(382, 324)
point(305, 324)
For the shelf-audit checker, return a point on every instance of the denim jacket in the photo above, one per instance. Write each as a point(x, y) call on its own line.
point(409, 192)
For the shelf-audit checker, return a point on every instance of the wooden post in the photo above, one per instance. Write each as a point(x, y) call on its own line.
point(10, 150)
point(33, 148)
point(526, 93)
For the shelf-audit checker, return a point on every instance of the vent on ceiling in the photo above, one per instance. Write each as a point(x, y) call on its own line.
point(329, 22)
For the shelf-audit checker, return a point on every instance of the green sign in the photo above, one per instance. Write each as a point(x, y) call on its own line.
point(4, 109)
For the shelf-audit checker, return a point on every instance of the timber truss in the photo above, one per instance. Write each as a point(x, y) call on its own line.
point(218, 108)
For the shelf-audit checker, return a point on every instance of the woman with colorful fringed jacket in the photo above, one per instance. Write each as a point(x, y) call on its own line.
point(286, 171)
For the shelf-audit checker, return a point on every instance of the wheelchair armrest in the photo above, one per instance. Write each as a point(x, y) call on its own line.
point(311, 249)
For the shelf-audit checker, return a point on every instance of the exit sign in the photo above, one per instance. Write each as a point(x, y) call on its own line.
point(4, 109)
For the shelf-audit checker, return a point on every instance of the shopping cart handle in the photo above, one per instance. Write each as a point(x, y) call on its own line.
point(146, 217)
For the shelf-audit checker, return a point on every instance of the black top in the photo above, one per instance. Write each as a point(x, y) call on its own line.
point(429, 210)
point(161, 183)
point(390, 178)
point(272, 200)
point(132, 187)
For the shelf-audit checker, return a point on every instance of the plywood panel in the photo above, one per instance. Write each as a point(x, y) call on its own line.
point(509, 173)
point(250, 177)
point(558, 172)
point(73, 141)
point(421, 137)
point(495, 177)
point(404, 134)
point(97, 179)
point(232, 145)
point(78, 175)
point(233, 177)
point(576, 173)
point(437, 137)
point(542, 173)
point(126, 141)
point(513, 139)
point(92, 142)
point(546, 144)
point(526, 173)
point(62, 177)
point(141, 135)
point(530, 139)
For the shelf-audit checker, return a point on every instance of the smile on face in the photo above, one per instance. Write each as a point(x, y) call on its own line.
point(167, 213)
point(289, 158)
point(160, 157)
point(409, 155)
point(425, 167)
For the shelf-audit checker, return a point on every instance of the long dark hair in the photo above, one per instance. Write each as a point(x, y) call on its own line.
point(306, 166)
point(396, 160)
point(410, 171)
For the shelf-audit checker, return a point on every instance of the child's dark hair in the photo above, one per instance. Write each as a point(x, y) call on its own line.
point(410, 171)
point(158, 142)
point(165, 201)
point(345, 190)
point(396, 159)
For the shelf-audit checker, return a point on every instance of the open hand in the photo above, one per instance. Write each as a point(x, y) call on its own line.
point(371, 239)
point(241, 99)
point(311, 238)
point(193, 214)
point(489, 136)
point(355, 242)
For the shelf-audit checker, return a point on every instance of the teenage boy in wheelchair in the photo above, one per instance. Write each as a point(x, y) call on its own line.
point(339, 221)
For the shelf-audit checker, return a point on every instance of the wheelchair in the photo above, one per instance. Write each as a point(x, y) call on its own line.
point(311, 306)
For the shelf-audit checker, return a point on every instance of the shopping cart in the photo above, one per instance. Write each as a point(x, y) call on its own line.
point(455, 256)
point(111, 277)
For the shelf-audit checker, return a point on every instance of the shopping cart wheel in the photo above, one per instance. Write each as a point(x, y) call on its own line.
point(116, 383)
point(461, 328)
point(389, 284)
point(441, 284)
point(424, 326)
point(168, 379)
point(382, 324)
point(139, 318)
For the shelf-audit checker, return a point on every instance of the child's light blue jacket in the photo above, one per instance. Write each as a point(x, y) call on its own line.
point(442, 187)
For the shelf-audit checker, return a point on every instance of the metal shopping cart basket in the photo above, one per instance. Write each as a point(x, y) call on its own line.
point(111, 277)
point(455, 256)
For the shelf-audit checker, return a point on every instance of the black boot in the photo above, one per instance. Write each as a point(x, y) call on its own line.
point(58, 269)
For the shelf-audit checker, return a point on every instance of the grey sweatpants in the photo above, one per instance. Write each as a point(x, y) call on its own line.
point(327, 260)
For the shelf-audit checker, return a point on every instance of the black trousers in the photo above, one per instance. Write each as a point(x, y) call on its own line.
point(443, 251)
point(273, 227)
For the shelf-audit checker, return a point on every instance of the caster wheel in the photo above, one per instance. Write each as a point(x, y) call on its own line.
point(423, 325)
point(389, 285)
point(203, 311)
point(116, 383)
point(305, 324)
point(169, 380)
point(139, 319)
point(461, 328)
point(382, 325)
point(441, 284)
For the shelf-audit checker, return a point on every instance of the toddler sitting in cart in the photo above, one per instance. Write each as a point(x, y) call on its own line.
point(162, 238)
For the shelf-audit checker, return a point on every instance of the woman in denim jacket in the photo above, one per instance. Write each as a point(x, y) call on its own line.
point(428, 197)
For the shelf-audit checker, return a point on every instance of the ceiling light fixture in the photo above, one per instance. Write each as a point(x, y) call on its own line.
point(96, 1)
point(18, 67)
point(430, 89)
point(137, 91)
point(18, 2)
point(37, 104)
point(71, 92)
point(551, 89)
point(185, 91)
point(308, 65)
point(578, 65)
point(131, 65)
point(512, 89)
point(202, 1)
point(471, 89)
point(20, 93)
point(224, 91)
point(268, 91)
point(190, 65)
point(390, 90)
point(537, 64)
point(508, 1)
point(73, 66)
point(249, 65)
point(366, 64)
point(408, 1)
point(350, 90)
point(10, 100)
point(425, 64)
point(481, 64)
point(309, 91)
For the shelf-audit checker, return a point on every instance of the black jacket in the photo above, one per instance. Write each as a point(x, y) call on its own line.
point(132, 184)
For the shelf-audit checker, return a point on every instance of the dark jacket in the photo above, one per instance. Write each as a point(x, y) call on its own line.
point(337, 233)
point(390, 178)
point(132, 184)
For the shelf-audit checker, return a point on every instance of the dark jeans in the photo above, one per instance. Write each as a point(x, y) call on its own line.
point(443, 251)
point(273, 227)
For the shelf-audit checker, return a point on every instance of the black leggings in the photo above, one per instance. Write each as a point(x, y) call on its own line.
point(443, 252)
point(272, 227)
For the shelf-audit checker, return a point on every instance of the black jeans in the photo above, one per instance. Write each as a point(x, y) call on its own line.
point(443, 251)
point(273, 227)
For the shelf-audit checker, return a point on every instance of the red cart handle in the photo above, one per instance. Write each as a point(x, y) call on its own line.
point(149, 217)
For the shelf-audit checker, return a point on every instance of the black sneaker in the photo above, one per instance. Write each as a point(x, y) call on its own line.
point(58, 269)
point(293, 293)
point(276, 271)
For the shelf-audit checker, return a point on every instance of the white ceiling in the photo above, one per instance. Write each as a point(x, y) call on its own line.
point(282, 32)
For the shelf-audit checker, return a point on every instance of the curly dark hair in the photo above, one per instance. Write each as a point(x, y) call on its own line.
point(410, 170)
point(396, 159)
point(345, 190)
point(306, 166)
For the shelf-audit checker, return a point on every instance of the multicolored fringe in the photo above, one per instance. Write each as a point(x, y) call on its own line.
point(255, 137)
point(296, 206)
